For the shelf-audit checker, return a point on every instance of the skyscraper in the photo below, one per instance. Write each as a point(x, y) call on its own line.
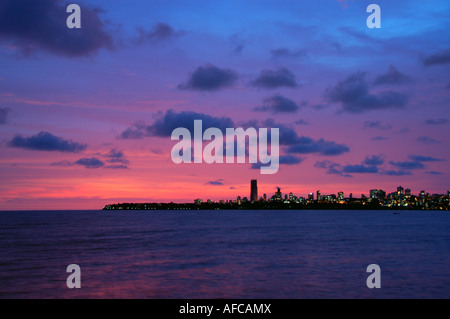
point(253, 190)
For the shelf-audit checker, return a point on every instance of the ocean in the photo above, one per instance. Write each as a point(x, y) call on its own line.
point(225, 254)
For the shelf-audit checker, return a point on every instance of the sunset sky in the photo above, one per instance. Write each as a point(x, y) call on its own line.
point(86, 114)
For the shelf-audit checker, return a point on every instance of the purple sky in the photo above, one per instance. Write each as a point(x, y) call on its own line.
point(86, 115)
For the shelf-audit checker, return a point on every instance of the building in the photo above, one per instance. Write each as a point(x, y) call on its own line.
point(253, 190)
point(377, 194)
point(408, 192)
point(318, 195)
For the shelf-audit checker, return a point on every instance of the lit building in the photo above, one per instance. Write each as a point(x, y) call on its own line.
point(318, 195)
point(408, 192)
point(341, 195)
point(377, 194)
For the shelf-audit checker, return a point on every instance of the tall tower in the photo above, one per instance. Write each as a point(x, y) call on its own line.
point(253, 190)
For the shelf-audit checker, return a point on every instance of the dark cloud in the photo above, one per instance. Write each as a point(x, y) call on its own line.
point(354, 96)
point(307, 145)
point(332, 168)
point(377, 125)
point(420, 158)
point(32, 25)
point(217, 182)
point(166, 123)
point(379, 138)
point(286, 53)
point(117, 166)
point(45, 141)
point(4, 112)
point(278, 104)
point(137, 131)
point(407, 165)
point(290, 159)
point(269, 79)
point(303, 144)
point(283, 160)
point(115, 156)
point(288, 136)
point(90, 162)
point(442, 57)
point(360, 169)
point(393, 76)
point(437, 121)
point(374, 160)
point(160, 31)
point(209, 78)
point(397, 173)
point(434, 173)
point(427, 140)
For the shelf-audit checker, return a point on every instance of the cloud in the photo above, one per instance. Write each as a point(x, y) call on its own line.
point(360, 168)
point(427, 140)
point(217, 182)
point(407, 165)
point(278, 104)
point(286, 53)
point(4, 112)
point(377, 125)
point(393, 76)
point(115, 156)
point(420, 158)
point(288, 136)
point(434, 173)
point(354, 96)
point(160, 31)
point(290, 160)
point(118, 166)
point(374, 160)
point(45, 141)
point(171, 120)
point(90, 162)
point(442, 57)
point(283, 160)
point(32, 25)
point(397, 173)
point(437, 121)
point(331, 167)
point(307, 145)
point(209, 78)
point(269, 79)
point(137, 131)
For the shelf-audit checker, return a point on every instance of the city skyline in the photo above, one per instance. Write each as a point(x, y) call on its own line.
point(86, 114)
point(402, 198)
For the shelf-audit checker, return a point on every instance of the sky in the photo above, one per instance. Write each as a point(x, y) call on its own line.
point(86, 114)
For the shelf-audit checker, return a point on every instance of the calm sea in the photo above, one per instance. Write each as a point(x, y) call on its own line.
point(225, 254)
